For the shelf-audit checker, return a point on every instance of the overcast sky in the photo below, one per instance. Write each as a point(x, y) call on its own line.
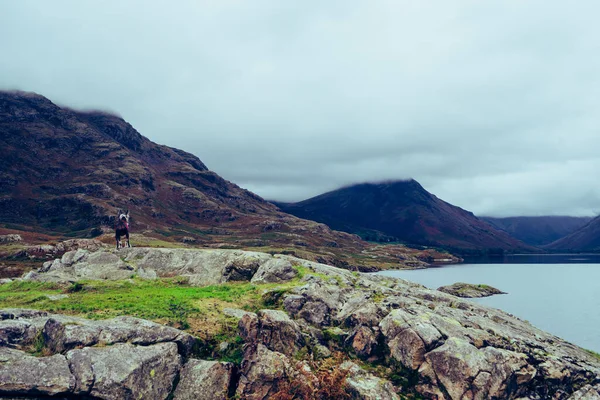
point(493, 106)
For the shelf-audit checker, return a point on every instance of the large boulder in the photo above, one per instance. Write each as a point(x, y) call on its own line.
point(16, 332)
point(365, 386)
point(24, 374)
point(409, 337)
point(63, 334)
point(467, 372)
point(363, 341)
point(275, 270)
point(125, 371)
point(204, 380)
point(200, 266)
point(274, 329)
point(262, 371)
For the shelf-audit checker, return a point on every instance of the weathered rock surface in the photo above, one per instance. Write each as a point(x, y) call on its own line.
point(65, 333)
point(119, 358)
point(274, 329)
point(444, 347)
point(588, 392)
point(275, 270)
point(125, 371)
point(21, 373)
point(262, 371)
point(366, 386)
point(200, 267)
point(469, 290)
point(204, 380)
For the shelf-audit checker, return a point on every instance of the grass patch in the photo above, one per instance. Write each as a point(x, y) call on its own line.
point(168, 301)
point(305, 271)
point(197, 310)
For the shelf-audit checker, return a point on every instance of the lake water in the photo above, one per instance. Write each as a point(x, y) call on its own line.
point(563, 299)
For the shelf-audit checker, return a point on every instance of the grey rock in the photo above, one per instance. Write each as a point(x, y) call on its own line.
point(262, 371)
point(468, 372)
point(21, 313)
point(470, 290)
point(125, 371)
point(11, 238)
point(409, 337)
point(274, 329)
point(588, 392)
point(293, 303)
point(279, 333)
point(426, 331)
point(64, 334)
point(363, 341)
point(23, 374)
point(16, 332)
point(235, 312)
point(249, 327)
point(55, 297)
point(363, 385)
point(201, 266)
point(204, 380)
point(275, 270)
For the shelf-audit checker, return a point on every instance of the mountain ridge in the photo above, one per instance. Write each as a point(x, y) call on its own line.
point(586, 238)
point(538, 231)
point(67, 173)
point(403, 210)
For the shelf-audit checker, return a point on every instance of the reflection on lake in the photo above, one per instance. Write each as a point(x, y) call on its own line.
point(563, 299)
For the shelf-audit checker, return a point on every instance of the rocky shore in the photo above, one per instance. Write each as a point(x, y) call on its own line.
point(397, 339)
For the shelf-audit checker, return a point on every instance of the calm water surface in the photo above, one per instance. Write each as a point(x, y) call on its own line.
point(563, 299)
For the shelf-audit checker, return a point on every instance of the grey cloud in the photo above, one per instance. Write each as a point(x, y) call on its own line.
point(490, 105)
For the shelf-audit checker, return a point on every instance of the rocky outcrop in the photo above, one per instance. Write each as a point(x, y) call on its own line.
point(11, 238)
point(469, 290)
point(199, 267)
point(125, 371)
point(426, 342)
point(46, 251)
point(119, 358)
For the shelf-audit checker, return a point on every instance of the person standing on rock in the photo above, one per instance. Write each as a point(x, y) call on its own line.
point(122, 229)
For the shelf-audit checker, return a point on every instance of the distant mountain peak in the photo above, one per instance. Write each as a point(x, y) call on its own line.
point(403, 210)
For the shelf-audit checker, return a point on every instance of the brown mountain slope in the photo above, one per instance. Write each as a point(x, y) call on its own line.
point(66, 173)
point(586, 238)
point(538, 231)
point(403, 210)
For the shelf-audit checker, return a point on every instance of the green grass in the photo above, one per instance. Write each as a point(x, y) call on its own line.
point(169, 301)
point(304, 271)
